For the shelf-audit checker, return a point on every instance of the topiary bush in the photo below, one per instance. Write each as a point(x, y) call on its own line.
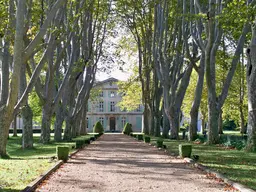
point(127, 129)
point(62, 152)
point(159, 142)
point(79, 143)
point(87, 141)
point(98, 128)
point(140, 137)
point(185, 150)
point(147, 139)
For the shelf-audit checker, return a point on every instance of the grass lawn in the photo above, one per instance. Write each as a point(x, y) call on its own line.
point(26, 165)
point(236, 165)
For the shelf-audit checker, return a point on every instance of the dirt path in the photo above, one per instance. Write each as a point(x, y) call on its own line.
point(119, 163)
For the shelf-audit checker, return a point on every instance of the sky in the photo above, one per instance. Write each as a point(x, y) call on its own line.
point(118, 74)
point(125, 59)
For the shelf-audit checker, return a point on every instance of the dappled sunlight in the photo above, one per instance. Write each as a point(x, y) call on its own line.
point(120, 162)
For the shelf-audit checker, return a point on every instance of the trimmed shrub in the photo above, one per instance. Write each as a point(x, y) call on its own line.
point(62, 152)
point(159, 142)
point(98, 128)
point(185, 150)
point(96, 135)
point(92, 138)
point(147, 139)
point(87, 141)
point(79, 143)
point(127, 129)
point(140, 137)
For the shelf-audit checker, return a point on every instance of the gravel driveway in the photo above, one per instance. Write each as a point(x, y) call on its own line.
point(116, 162)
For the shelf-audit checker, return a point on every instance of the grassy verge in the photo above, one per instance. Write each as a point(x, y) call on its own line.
point(26, 165)
point(239, 166)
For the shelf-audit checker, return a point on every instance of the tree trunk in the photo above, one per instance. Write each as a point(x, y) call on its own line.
point(242, 124)
point(27, 130)
point(83, 125)
point(174, 123)
point(15, 126)
point(58, 123)
point(6, 109)
point(146, 120)
point(46, 125)
point(73, 127)
point(78, 120)
point(3, 133)
point(203, 126)
point(153, 120)
point(213, 117)
point(197, 100)
point(166, 125)
point(157, 125)
point(67, 131)
point(251, 82)
point(220, 123)
point(193, 124)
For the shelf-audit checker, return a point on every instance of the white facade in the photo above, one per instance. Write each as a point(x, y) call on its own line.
point(105, 110)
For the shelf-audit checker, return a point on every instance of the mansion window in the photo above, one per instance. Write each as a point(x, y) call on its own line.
point(87, 122)
point(112, 94)
point(112, 106)
point(101, 120)
point(101, 94)
point(123, 120)
point(101, 106)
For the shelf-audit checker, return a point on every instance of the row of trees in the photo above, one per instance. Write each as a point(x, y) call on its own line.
point(175, 38)
point(51, 48)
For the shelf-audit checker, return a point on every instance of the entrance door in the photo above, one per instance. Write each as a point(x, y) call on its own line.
point(112, 123)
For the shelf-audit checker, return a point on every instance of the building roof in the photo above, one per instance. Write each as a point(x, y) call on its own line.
point(111, 79)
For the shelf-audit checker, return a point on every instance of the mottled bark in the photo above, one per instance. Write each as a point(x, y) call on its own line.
point(27, 130)
point(67, 132)
point(193, 125)
point(6, 110)
point(213, 117)
point(174, 122)
point(15, 126)
point(5, 74)
point(166, 125)
point(194, 112)
point(251, 82)
point(59, 123)
point(242, 120)
point(3, 132)
point(146, 114)
point(220, 123)
point(46, 125)
point(47, 107)
point(203, 125)
point(83, 125)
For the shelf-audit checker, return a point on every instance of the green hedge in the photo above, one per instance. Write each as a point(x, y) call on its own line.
point(127, 129)
point(92, 138)
point(87, 141)
point(140, 137)
point(98, 128)
point(159, 142)
point(185, 150)
point(62, 152)
point(147, 139)
point(79, 143)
